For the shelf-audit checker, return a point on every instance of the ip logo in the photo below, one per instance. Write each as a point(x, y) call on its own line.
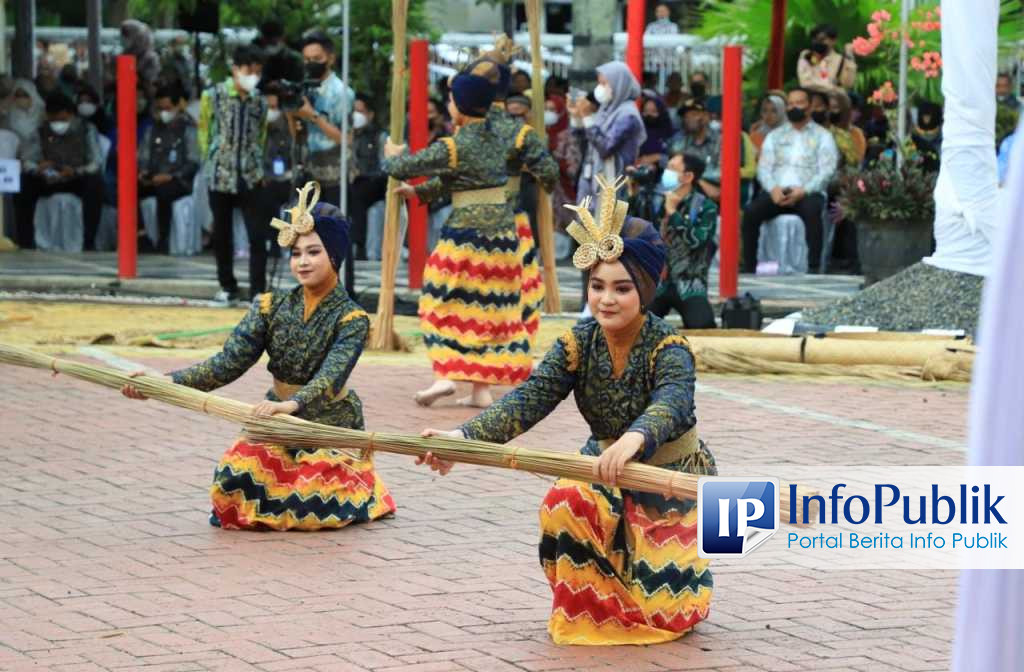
point(736, 515)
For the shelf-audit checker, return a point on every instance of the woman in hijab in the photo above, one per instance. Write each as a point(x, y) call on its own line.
point(566, 151)
point(24, 111)
point(658, 126)
point(137, 40)
point(615, 132)
point(773, 113)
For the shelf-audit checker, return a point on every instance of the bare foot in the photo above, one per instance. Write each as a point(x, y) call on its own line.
point(440, 388)
point(476, 400)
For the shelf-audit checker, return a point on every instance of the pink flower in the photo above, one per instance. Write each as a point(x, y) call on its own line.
point(873, 29)
point(881, 16)
point(929, 15)
point(938, 11)
point(860, 185)
point(863, 47)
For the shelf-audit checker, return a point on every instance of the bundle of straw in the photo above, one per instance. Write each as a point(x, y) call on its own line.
point(545, 218)
point(382, 334)
point(294, 431)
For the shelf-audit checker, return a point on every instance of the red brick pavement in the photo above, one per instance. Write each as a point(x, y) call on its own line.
point(107, 561)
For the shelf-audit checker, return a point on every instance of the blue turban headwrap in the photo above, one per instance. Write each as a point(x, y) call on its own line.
point(472, 94)
point(643, 252)
point(332, 227)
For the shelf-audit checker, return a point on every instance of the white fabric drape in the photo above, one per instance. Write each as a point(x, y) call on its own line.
point(965, 194)
point(990, 610)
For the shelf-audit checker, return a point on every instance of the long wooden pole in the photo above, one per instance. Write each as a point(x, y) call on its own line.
point(545, 217)
point(294, 431)
point(383, 336)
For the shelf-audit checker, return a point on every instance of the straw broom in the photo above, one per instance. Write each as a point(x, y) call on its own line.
point(382, 332)
point(545, 218)
point(293, 431)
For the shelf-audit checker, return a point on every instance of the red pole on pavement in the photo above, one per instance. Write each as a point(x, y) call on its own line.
point(729, 237)
point(419, 133)
point(635, 15)
point(127, 171)
point(777, 50)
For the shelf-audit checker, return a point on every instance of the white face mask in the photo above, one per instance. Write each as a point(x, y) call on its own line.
point(86, 109)
point(550, 117)
point(603, 93)
point(273, 114)
point(167, 116)
point(359, 120)
point(248, 82)
point(60, 127)
point(715, 125)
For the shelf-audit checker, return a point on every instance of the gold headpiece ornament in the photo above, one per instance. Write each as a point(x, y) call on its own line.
point(600, 240)
point(302, 216)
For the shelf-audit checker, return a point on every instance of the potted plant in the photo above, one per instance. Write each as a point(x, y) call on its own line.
point(893, 208)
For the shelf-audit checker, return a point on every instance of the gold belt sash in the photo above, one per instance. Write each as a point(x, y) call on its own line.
point(667, 453)
point(513, 184)
point(489, 196)
point(285, 391)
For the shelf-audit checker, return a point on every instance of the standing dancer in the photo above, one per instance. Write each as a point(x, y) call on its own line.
point(313, 335)
point(470, 309)
point(622, 565)
point(526, 152)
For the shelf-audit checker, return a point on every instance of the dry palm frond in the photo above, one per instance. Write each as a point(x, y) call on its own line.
point(382, 334)
point(293, 431)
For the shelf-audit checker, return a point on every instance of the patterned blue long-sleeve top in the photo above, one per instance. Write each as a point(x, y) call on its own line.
point(653, 396)
point(318, 355)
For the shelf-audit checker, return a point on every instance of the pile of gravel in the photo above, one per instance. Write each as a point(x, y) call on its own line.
point(916, 298)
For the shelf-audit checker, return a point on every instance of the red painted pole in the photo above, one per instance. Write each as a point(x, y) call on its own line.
point(729, 206)
point(635, 15)
point(127, 171)
point(777, 50)
point(419, 134)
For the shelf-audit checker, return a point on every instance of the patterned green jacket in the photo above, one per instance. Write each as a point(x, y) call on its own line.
point(317, 355)
point(689, 233)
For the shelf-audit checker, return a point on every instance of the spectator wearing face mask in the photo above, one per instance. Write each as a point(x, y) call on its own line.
point(797, 163)
point(614, 132)
point(322, 114)
point(63, 156)
point(771, 115)
point(232, 130)
point(566, 151)
point(659, 130)
point(367, 181)
point(168, 159)
point(820, 115)
point(925, 146)
point(688, 224)
point(822, 66)
point(699, 86)
point(840, 116)
point(90, 109)
point(699, 139)
point(24, 111)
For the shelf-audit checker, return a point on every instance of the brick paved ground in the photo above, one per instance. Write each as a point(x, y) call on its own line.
point(107, 561)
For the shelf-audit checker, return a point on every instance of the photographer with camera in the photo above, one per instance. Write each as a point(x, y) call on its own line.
point(325, 102)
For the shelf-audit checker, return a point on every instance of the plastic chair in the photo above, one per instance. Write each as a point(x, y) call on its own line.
point(58, 223)
point(782, 240)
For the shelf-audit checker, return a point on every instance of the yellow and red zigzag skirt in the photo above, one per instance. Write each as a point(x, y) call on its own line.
point(265, 486)
point(471, 308)
point(532, 289)
point(621, 572)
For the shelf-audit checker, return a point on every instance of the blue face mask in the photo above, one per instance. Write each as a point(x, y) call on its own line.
point(669, 180)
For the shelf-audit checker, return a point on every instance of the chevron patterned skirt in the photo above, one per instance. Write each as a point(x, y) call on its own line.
point(623, 566)
point(471, 309)
point(532, 290)
point(265, 486)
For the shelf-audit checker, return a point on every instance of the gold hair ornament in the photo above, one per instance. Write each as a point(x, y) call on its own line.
point(600, 239)
point(302, 216)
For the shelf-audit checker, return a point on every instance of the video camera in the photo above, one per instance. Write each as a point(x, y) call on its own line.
point(645, 176)
point(290, 93)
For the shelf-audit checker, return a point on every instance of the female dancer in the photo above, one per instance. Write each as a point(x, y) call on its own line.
point(622, 565)
point(313, 335)
point(470, 309)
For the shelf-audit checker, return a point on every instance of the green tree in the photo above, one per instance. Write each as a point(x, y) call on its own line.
point(370, 32)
